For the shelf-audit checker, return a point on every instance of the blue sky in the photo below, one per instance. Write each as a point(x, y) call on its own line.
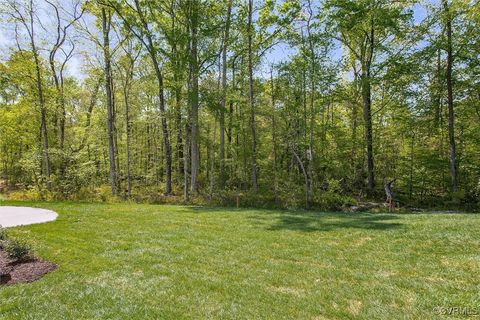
point(279, 53)
point(282, 51)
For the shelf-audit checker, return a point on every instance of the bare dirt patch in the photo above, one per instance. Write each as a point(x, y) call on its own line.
point(12, 271)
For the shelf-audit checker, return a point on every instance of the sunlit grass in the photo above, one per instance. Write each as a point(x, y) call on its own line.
point(128, 261)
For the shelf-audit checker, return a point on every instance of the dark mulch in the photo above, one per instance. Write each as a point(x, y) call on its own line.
point(12, 272)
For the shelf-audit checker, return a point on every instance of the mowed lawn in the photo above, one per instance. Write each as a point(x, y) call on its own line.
point(129, 261)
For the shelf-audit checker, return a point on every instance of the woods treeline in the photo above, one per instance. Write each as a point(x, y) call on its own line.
point(287, 103)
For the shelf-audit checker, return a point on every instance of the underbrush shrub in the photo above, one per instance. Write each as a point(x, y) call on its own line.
point(75, 178)
point(254, 199)
point(3, 234)
point(18, 250)
point(471, 199)
point(86, 194)
point(3, 237)
point(31, 194)
point(245, 199)
point(476, 195)
point(457, 197)
point(174, 198)
point(96, 194)
point(333, 201)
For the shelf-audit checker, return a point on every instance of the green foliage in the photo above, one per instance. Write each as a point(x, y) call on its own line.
point(3, 234)
point(332, 201)
point(18, 250)
point(313, 92)
point(31, 194)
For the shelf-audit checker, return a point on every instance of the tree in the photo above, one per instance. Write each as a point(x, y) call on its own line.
point(135, 20)
point(223, 108)
point(147, 100)
point(194, 70)
point(58, 75)
point(451, 112)
point(365, 28)
point(24, 15)
point(106, 17)
point(251, 95)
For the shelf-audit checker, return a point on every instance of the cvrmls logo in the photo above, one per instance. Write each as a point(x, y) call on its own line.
point(464, 311)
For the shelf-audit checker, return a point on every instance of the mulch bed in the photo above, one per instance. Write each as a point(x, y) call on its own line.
point(12, 272)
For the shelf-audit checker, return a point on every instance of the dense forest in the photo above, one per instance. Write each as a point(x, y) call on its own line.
point(292, 103)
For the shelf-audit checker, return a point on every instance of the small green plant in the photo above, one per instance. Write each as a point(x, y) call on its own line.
point(18, 250)
point(3, 237)
point(3, 234)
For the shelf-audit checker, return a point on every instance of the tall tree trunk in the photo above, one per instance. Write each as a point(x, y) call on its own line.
point(179, 132)
point(412, 150)
point(178, 97)
point(127, 145)
point(251, 96)
point(186, 163)
point(221, 179)
point(195, 158)
point(152, 51)
point(128, 78)
point(367, 118)
point(43, 116)
point(367, 108)
point(41, 98)
point(212, 159)
point(353, 152)
point(437, 92)
point(451, 114)
point(60, 100)
point(274, 137)
point(166, 139)
point(305, 176)
point(311, 153)
point(106, 20)
point(230, 113)
point(115, 136)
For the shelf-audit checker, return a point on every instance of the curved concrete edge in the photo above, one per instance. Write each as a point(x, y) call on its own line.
point(21, 216)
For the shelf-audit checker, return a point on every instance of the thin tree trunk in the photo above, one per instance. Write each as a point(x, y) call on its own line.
point(93, 100)
point(251, 96)
point(108, 89)
point(41, 98)
point(305, 176)
point(367, 118)
point(128, 77)
point(451, 114)
point(152, 51)
point(60, 101)
point(438, 91)
point(127, 146)
point(212, 159)
point(194, 96)
point(274, 137)
point(115, 137)
point(367, 110)
point(231, 114)
point(185, 163)
point(412, 145)
point(221, 179)
point(178, 97)
point(312, 106)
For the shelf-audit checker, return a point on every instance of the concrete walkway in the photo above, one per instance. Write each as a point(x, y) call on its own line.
point(19, 216)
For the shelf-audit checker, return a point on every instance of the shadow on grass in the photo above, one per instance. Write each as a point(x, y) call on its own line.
point(309, 221)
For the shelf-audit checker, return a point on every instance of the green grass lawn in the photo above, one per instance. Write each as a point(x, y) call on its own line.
point(129, 261)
